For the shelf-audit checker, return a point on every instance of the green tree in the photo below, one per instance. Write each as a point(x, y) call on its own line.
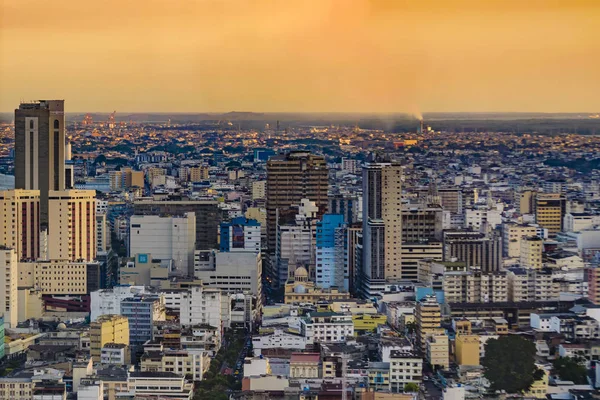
point(411, 387)
point(570, 369)
point(509, 364)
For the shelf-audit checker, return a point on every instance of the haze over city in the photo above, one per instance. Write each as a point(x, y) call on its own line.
point(302, 56)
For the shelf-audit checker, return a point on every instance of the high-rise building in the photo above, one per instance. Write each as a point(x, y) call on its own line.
point(549, 211)
point(8, 286)
point(19, 222)
point(290, 178)
point(72, 225)
point(422, 223)
point(241, 234)
point(593, 279)
point(107, 329)
point(208, 216)
point(40, 149)
point(511, 238)
point(346, 204)
point(166, 237)
point(382, 225)
point(142, 311)
point(354, 256)
point(474, 248)
point(331, 269)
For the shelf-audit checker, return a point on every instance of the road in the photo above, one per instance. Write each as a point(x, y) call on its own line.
point(431, 391)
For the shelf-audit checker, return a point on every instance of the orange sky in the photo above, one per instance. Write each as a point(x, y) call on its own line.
point(302, 55)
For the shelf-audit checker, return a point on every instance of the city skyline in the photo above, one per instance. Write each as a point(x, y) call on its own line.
point(328, 56)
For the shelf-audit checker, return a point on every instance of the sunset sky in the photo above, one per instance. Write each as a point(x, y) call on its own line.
point(302, 55)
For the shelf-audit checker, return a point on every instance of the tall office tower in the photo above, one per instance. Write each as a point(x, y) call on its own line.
point(354, 255)
point(19, 222)
point(549, 211)
point(331, 253)
point(382, 225)
point(8, 286)
point(208, 216)
point(40, 149)
point(72, 225)
point(292, 177)
point(474, 248)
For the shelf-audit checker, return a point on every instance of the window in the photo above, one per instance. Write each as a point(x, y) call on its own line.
point(30, 124)
point(55, 124)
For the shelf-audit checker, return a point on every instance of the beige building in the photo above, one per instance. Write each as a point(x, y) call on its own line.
point(302, 290)
point(8, 286)
point(532, 285)
point(180, 362)
point(19, 222)
point(428, 318)
point(531, 252)
point(467, 349)
point(305, 365)
point(438, 350)
point(57, 276)
point(525, 200)
point(549, 211)
point(72, 225)
point(475, 286)
point(412, 253)
point(126, 178)
point(198, 174)
point(107, 329)
point(512, 235)
point(31, 304)
point(259, 190)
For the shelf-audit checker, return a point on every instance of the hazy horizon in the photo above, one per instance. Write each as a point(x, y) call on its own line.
point(332, 56)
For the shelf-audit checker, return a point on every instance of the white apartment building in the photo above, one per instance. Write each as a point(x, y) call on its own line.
point(201, 306)
point(327, 327)
point(482, 219)
point(350, 165)
point(108, 301)
point(405, 367)
point(159, 384)
point(237, 272)
point(166, 238)
point(278, 339)
point(577, 222)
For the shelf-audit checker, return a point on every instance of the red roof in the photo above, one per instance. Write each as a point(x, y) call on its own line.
point(305, 357)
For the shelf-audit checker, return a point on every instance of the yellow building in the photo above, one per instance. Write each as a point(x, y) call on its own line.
point(72, 225)
point(549, 211)
point(367, 322)
point(467, 349)
point(19, 222)
point(301, 290)
point(428, 318)
point(55, 277)
point(438, 350)
point(462, 327)
point(107, 329)
point(531, 252)
point(353, 306)
point(539, 388)
point(198, 174)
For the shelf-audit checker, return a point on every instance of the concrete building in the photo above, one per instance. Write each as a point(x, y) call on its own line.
point(413, 252)
point(531, 285)
point(259, 190)
point(350, 165)
point(115, 354)
point(295, 242)
point(549, 211)
point(19, 222)
point(302, 290)
point(144, 270)
point(72, 225)
point(126, 179)
point(577, 222)
point(438, 351)
point(167, 237)
point(382, 226)
point(327, 327)
point(422, 222)
point(8, 287)
point(531, 252)
point(40, 150)
point(347, 204)
point(283, 174)
point(142, 311)
point(108, 301)
point(474, 286)
point(60, 276)
point(236, 272)
point(180, 362)
point(593, 278)
point(405, 367)
point(241, 234)
point(474, 248)
point(107, 329)
point(199, 173)
point(167, 385)
point(305, 365)
point(331, 267)
point(279, 338)
point(428, 318)
point(201, 306)
point(511, 238)
point(467, 349)
point(206, 212)
point(102, 233)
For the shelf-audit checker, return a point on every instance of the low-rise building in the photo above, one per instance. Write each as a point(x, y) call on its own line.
point(305, 365)
point(405, 367)
point(327, 327)
point(160, 384)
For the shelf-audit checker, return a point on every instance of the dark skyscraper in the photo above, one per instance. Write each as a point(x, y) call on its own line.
point(40, 149)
